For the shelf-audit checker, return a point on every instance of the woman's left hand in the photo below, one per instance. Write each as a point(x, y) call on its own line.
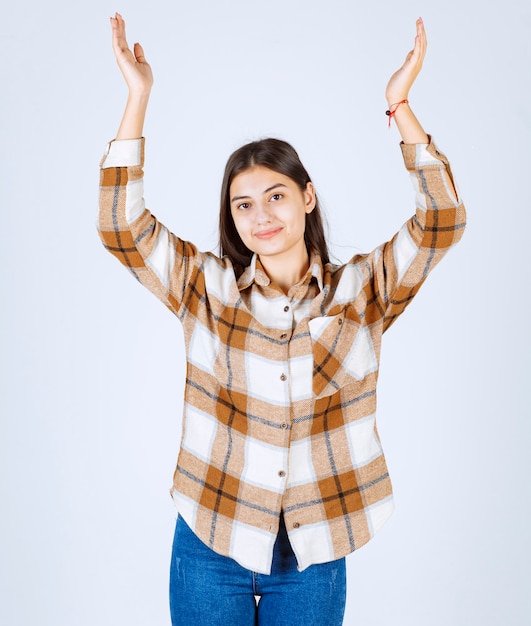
point(401, 81)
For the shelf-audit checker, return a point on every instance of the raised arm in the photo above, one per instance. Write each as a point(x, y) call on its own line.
point(138, 76)
point(157, 258)
point(398, 90)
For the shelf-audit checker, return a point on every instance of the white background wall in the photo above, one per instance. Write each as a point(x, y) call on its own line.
point(92, 365)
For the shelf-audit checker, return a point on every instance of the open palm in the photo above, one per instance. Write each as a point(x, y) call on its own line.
point(401, 81)
point(132, 64)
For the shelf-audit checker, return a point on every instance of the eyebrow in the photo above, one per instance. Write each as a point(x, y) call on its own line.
point(264, 192)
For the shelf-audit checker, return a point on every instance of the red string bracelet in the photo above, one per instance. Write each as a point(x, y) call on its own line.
point(391, 113)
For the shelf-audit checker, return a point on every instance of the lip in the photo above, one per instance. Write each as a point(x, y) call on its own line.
point(268, 234)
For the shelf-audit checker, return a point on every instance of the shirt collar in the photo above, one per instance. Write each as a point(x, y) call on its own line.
point(255, 272)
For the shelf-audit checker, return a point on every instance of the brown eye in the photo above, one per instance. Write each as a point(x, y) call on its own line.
point(276, 196)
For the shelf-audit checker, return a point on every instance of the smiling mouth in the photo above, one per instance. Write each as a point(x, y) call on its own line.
point(268, 234)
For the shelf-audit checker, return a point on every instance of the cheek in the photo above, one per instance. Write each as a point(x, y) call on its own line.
point(240, 226)
point(298, 223)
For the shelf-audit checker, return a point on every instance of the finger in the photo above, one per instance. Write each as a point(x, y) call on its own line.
point(118, 30)
point(121, 28)
point(416, 53)
point(117, 22)
point(116, 44)
point(421, 32)
point(419, 49)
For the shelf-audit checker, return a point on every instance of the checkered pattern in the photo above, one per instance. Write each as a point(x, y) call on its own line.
point(280, 397)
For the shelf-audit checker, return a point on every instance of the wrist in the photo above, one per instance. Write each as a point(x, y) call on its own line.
point(393, 109)
point(139, 95)
point(394, 99)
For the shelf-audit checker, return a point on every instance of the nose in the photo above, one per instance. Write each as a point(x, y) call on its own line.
point(262, 213)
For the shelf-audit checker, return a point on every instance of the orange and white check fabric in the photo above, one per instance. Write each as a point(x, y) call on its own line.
point(280, 397)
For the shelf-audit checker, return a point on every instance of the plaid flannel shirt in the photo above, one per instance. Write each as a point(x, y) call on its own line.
point(280, 395)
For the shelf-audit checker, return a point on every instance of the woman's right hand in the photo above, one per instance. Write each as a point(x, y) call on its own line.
point(132, 64)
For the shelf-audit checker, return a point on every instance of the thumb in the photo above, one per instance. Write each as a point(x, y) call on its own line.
point(139, 53)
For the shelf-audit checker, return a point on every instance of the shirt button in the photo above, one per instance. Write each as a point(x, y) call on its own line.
point(283, 426)
point(286, 308)
point(283, 377)
point(283, 336)
point(296, 525)
point(339, 321)
point(282, 473)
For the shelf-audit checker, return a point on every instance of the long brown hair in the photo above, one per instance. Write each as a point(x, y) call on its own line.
point(279, 156)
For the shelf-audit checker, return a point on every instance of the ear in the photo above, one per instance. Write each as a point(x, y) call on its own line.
point(309, 197)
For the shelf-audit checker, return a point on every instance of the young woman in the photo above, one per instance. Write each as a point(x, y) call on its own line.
point(280, 473)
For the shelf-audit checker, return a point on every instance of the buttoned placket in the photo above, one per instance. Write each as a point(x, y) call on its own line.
point(285, 336)
point(292, 309)
point(294, 299)
point(289, 311)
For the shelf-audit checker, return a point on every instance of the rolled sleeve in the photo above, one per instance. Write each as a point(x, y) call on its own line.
point(427, 156)
point(124, 153)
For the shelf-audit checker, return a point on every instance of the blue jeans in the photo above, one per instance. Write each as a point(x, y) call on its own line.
point(208, 589)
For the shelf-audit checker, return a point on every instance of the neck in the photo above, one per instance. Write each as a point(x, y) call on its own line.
point(286, 272)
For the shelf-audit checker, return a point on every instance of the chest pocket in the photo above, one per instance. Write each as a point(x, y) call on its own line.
point(343, 353)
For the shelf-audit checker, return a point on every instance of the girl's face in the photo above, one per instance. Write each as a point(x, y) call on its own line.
point(269, 211)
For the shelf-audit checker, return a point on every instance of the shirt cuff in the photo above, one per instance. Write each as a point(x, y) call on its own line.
point(421, 154)
point(124, 153)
